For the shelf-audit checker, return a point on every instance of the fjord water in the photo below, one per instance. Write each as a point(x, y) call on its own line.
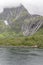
point(21, 56)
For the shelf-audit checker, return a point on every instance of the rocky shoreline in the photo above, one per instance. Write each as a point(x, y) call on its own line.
point(20, 46)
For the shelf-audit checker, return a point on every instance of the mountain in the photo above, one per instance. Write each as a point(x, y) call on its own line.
point(20, 21)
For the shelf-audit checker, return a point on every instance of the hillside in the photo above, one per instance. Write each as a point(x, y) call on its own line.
point(20, 21)
point(19, 28)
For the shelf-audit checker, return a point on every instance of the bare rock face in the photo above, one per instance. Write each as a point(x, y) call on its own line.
point(32, 28)
point(18, 19)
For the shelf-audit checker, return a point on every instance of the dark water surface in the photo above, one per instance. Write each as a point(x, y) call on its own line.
point(21, 56)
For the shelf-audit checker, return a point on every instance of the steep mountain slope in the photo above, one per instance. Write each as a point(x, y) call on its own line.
point(20, 21)
point(33, 26)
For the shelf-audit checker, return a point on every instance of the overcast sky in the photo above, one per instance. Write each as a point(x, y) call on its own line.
point(33, 6)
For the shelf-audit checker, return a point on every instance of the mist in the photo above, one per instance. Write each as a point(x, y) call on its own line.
point(33, 6)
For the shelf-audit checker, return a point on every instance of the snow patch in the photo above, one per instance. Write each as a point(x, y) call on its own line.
point(6, 22)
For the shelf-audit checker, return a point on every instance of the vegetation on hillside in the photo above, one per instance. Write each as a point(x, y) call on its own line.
point(36, 39)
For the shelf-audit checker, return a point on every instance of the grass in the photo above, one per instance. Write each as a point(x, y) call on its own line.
point(36, 39)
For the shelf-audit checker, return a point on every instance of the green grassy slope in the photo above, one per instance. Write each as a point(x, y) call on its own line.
point(36, 39)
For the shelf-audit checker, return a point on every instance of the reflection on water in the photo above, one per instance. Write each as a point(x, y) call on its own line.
point(21, 56)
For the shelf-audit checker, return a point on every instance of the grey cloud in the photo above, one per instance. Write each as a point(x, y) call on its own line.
point(33, 6)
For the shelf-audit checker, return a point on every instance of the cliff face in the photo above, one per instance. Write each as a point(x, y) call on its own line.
point(19, 20)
